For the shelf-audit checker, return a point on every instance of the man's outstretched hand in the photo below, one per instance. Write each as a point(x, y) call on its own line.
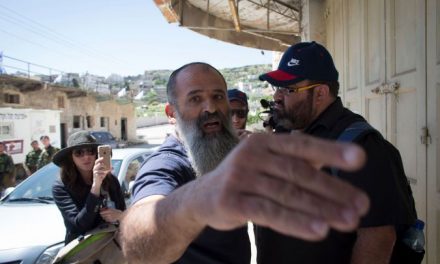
point(276, 181)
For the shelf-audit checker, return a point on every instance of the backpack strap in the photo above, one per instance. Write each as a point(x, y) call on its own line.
point(351, 134)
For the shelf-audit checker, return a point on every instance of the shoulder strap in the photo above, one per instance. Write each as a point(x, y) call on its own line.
point(351, 134)
point(353, 131)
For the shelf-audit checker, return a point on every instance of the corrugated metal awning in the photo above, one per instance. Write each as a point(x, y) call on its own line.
point(262, 24)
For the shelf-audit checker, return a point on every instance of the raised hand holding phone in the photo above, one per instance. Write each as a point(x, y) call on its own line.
point(104, 151)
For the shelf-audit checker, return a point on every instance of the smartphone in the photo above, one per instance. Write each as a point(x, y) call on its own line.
point(105, 151)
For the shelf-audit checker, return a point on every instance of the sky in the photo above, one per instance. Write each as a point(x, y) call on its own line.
point(101, 37)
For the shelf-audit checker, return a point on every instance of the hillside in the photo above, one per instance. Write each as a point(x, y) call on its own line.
point(246, 75)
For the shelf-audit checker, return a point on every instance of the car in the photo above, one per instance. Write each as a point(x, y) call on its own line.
point(106, 138)
point(32, 229)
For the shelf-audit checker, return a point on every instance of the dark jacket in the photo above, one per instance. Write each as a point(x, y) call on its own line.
point(81, 214)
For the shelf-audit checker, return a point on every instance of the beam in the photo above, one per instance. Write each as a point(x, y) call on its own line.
point(234, 12)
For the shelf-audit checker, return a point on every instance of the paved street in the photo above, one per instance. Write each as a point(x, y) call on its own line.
point(153, 135)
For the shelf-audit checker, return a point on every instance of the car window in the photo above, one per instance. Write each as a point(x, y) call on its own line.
point(38, 185)
point(116, 165)
point(98, 136)
point(133, 169)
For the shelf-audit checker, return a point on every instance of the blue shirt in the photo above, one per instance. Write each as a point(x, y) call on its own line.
point(166, 170)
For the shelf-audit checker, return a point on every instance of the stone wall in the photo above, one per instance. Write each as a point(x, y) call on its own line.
point(71, 102)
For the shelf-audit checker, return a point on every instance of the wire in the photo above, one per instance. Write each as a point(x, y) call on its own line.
point(47, 33)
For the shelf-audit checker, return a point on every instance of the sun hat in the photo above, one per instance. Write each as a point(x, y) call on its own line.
point(304, 60)
point(78, 140)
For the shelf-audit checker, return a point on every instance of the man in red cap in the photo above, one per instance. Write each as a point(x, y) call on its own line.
point(193, 197)
point(306, 99)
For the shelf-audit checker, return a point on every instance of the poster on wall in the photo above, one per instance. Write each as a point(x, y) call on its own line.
point(13, 146)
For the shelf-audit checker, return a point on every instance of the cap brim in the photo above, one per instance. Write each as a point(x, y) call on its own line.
point(280, 78)
point(238, 99)
point(61, 155)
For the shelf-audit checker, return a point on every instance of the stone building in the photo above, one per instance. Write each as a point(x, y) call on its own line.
point(79, 109)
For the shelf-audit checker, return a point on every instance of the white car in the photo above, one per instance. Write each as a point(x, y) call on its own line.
point(31, 226)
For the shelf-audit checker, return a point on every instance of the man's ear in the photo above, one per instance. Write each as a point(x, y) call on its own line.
point(169, 111)
point(322, 93)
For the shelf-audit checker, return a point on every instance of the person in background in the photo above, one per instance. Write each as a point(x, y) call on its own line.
point(239, 111)
point(86, 194)
point(306, 98)
point(194, 196)
point(7, 169)
point(32, 157)
point(47, 153)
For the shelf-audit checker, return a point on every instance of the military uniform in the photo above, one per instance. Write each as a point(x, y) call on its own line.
point(7, 171)
point(46, 156)
point(32, 159)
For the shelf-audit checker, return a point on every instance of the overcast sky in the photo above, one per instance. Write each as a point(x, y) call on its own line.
point(107, 36)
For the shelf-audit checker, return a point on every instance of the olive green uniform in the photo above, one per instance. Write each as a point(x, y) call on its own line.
point(46, 156)
point(32, 159)
point(7, 171)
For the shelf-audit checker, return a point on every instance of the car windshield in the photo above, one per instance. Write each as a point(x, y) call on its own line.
point(37, 188)
point(102, 136)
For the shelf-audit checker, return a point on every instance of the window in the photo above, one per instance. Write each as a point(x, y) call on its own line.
point(103, 121)
point(5, 130)
point(89, 121)
point(133, 168)
point(76, 121)
point(12, 98)
point(60, 101)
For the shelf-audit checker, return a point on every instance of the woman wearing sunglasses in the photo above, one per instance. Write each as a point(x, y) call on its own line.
point(86, 194)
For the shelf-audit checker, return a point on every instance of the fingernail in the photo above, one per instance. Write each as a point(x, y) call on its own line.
point(348, 215)
point(319, 227)
point(350, 155)
point(362, 204)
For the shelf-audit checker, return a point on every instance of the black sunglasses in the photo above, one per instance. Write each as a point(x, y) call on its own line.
point(241, 113)
point(83, 151)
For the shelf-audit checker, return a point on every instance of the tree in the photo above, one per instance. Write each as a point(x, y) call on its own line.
point(75, 83)
point(150, 97)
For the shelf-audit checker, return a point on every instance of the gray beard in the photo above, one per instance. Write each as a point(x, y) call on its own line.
point(206, 151)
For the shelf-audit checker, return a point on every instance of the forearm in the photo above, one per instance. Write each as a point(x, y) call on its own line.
point(374, 245)
point(159, 229)
point(82, 220)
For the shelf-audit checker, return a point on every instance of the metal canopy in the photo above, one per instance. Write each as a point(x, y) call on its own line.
point(262, 24)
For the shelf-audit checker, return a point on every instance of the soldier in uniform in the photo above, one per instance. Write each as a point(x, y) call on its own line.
point(7, 169)
point(47, 153)
point(32, 157)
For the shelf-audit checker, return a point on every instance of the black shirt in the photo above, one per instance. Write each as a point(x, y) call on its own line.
point(168, 169)
point(81, 213)
point(379, 179)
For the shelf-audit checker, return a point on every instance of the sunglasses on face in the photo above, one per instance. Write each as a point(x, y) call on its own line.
point(288, 90)
point(240, 113)
point(84, 151)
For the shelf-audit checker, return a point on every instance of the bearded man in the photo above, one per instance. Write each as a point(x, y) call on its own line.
point(306, 99)
point(193, 197)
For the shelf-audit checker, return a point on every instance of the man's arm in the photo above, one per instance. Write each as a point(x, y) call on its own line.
point(267, 179)
point(158, 229)
point(374, 245)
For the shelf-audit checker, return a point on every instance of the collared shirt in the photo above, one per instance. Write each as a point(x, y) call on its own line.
point(168, 169)
point(46, 156)
point(32, 159)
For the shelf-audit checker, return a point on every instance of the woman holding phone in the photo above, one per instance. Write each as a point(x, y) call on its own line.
point(87, 194)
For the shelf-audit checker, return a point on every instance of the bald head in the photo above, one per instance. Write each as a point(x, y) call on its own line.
point(195, 68)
